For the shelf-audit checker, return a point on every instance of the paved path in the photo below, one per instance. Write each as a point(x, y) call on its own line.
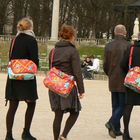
point(90, 125)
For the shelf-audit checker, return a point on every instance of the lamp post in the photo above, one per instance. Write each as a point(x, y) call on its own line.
point(55, 20)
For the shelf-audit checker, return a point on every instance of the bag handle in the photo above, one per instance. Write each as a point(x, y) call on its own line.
point(130, 56)
point(52, 57)
point(13, 42)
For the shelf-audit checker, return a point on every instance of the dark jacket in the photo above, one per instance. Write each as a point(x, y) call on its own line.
point(25, 47)
point(135, 58)
point(113, 54)
point(132, 97)
point(86, 63)
point(66, 58)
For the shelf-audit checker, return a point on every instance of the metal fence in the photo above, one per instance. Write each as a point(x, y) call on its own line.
point(10, 37)
point(41, 39)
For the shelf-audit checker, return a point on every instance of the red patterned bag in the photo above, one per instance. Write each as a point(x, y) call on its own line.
point(132, 79)
point(21, 69)
point(23, 66)
point(58, 81)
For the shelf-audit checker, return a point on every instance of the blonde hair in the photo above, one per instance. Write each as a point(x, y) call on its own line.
point(25, 24)
point(120, 30)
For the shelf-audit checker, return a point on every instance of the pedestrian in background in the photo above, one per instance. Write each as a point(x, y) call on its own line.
point(114, 52)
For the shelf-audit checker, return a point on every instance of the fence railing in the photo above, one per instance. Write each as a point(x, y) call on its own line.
point(10, 37)
point(41, 39)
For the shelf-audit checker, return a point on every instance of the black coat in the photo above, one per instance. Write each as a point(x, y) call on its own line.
point(132, 97)
point(25, 47)
point(66, 58)
point(114, 52)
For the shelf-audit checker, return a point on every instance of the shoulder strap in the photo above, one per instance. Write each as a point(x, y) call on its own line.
point(130, 56)
point(52, 56)
point(13, 42)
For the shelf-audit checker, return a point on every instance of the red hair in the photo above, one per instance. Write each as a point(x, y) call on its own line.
point(67, 32)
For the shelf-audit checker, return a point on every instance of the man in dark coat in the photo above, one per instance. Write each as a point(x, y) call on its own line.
point(113, 55)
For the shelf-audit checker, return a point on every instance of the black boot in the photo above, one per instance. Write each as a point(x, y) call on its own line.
point(27, 136)
point(126, 136)
point(9, 136)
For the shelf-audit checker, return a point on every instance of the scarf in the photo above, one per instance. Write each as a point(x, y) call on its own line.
point(28, 32)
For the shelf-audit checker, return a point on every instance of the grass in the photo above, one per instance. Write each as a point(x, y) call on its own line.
point(84, 50)
point(4, 50)
point(91, 50)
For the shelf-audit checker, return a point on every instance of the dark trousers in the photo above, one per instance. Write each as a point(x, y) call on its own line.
point(118, 104)
point(87, 74)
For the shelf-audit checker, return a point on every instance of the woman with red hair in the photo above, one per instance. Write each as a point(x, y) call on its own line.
point(66, 59)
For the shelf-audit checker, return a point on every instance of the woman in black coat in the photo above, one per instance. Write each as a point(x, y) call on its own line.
point(66, 58)
point(132, 98)
point(25, 47)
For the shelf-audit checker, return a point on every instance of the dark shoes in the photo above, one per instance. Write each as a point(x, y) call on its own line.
point(62, 138)
point(118, 133)
point(111, 133)
point(9, 136)
point(126, 136)
point(111, 130)
point(27, 136)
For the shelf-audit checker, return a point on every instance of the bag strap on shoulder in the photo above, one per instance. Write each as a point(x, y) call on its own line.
point(130, 56)
point(52, 57)
point(12, 46)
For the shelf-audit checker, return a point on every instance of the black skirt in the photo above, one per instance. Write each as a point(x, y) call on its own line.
point(132, 98)
point(71, 103)
point(21, 90)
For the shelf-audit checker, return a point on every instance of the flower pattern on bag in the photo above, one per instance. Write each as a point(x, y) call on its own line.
point(23, 66)
point(132, 79)
point(59, 82)
point(21, 69)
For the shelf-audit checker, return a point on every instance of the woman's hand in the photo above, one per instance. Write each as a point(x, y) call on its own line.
point(81, 95)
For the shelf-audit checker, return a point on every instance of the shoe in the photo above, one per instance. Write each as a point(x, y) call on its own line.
point(111, 130)
point(126, 136)
point(112, 134)
point(118, 133)
point(9, 136)
point(27, 136)
point(62, 138)
point(107, 125)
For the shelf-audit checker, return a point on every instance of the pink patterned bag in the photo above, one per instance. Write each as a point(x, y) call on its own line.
point(132, 79)
point(58, 81)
